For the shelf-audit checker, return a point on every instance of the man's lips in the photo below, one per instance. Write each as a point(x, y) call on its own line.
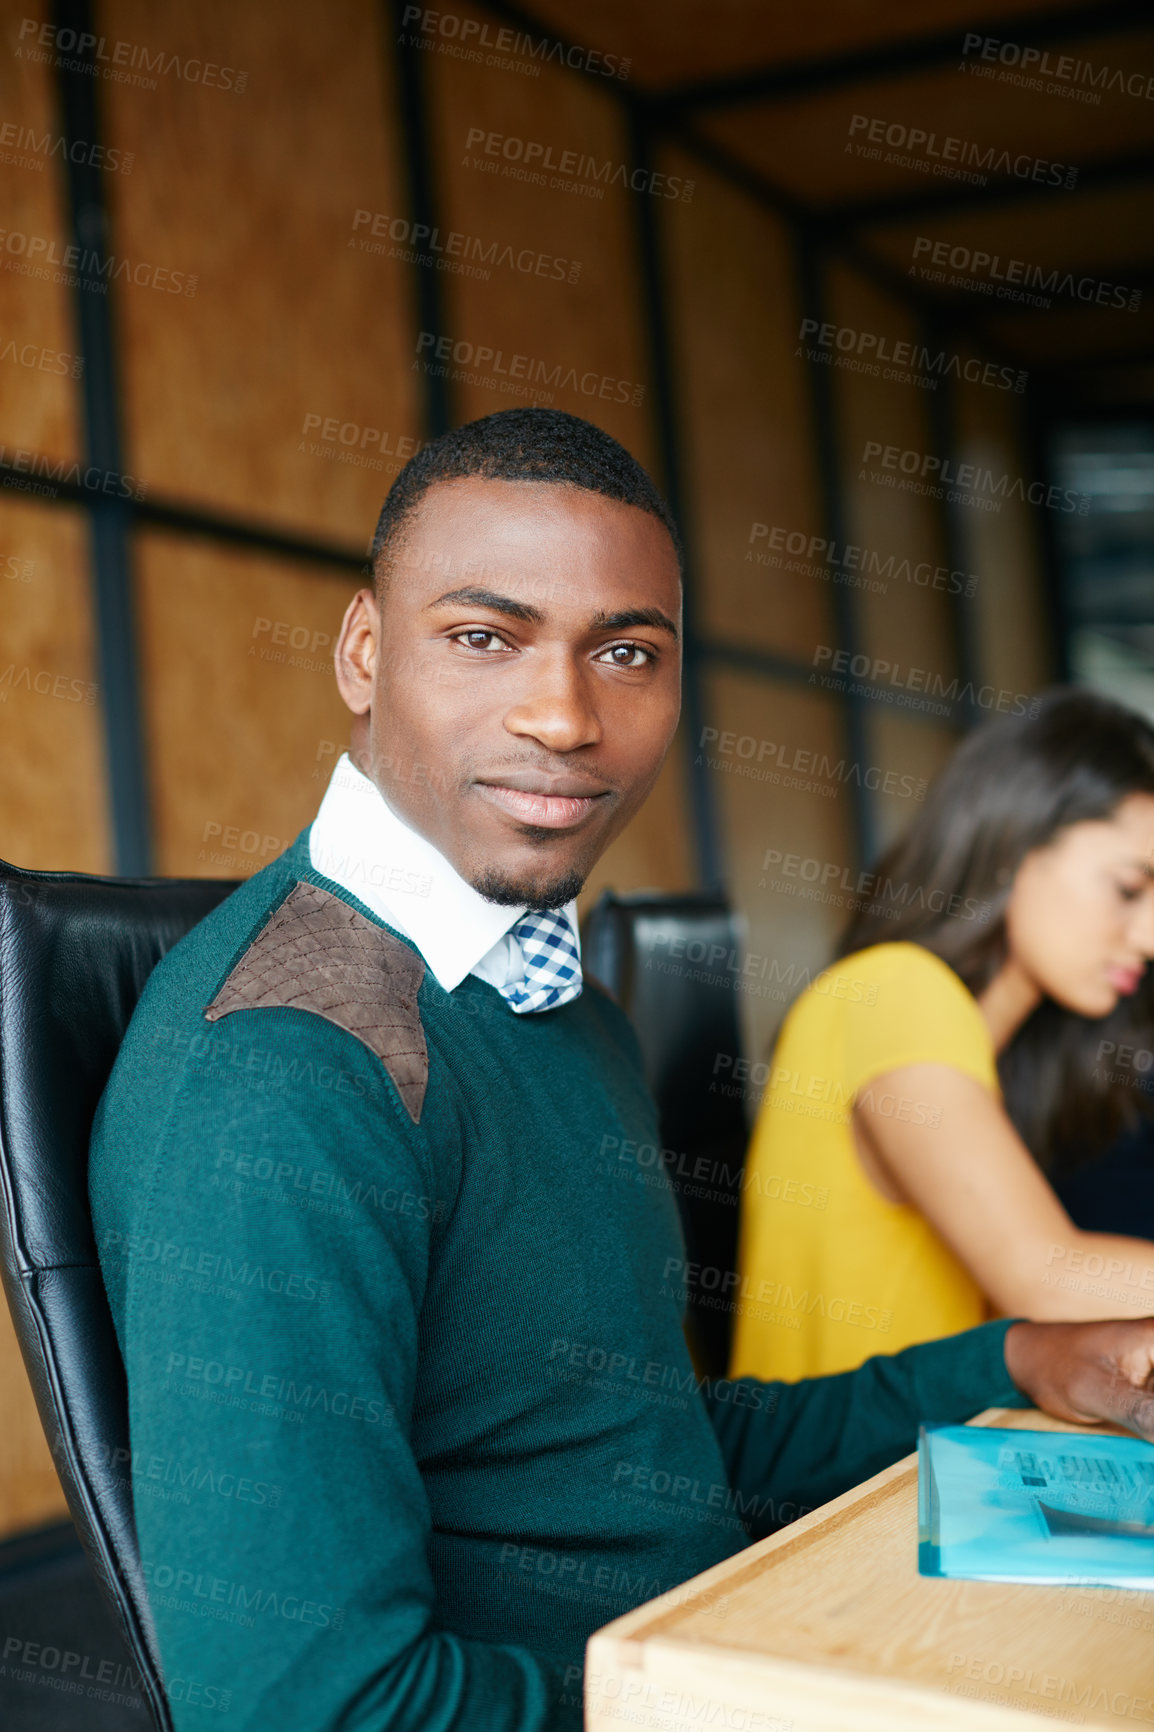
point(1125, 979)
point(539, 805)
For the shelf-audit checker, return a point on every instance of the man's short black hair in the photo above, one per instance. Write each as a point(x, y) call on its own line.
point(521, 445)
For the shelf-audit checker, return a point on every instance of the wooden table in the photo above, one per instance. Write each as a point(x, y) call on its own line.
point(828, 1627)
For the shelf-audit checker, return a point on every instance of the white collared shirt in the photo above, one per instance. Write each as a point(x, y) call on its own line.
point(360, 843)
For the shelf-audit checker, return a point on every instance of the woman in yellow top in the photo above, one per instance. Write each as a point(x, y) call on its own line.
point(974, 1028)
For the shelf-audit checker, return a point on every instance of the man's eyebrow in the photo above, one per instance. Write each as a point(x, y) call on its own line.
point(631, 616)
point(496, 603)
point(523, 610)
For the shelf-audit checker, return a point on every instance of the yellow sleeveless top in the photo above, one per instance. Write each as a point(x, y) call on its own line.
point(829, 1271)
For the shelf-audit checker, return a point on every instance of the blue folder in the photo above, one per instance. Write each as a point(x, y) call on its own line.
point(1035, 1506)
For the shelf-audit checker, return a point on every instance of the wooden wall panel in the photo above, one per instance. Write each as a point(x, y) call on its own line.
point(241, 709)
point(1014, 629)
point(580, 342)
point(745, 419)
point(254, 193)
point(53, 792)
point(907, 623)
point(30, 1492)
point(773, 797)
point(39, 358)
point(912, 753)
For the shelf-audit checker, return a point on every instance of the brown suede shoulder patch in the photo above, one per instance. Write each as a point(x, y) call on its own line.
point(316, 953)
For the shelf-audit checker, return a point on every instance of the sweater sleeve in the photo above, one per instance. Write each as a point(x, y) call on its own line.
point(272, 1252)
point(789, 1447)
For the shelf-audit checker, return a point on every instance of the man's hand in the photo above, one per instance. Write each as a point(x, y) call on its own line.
point(1087, 1372)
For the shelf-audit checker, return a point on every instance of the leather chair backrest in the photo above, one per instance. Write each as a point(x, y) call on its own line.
point(674, 964)
point(75, 953)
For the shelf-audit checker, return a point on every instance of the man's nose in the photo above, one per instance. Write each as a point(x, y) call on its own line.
point(556, 706)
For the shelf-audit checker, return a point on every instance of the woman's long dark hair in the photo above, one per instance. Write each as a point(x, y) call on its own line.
point(1008, 789)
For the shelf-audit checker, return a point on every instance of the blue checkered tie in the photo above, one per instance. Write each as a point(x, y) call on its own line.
point(552, 964)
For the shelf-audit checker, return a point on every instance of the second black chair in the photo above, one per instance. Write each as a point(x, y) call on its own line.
point(671, 963)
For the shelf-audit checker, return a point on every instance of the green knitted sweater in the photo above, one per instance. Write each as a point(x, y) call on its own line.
point(411, 1408)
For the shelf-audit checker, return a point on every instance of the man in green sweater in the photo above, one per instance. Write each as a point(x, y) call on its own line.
point(400, 1346)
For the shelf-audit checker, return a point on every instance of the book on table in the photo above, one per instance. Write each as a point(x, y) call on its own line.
point(1035, 1506)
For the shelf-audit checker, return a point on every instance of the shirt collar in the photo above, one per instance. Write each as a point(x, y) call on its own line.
point(360, 843)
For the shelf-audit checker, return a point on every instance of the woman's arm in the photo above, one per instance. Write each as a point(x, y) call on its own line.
point(931, 1136)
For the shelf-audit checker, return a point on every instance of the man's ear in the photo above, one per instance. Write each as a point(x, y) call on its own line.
point(355, 657)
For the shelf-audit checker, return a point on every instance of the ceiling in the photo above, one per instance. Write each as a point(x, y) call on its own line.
point(903, 135)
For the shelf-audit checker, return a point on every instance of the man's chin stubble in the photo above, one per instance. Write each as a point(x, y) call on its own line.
point(522, 891)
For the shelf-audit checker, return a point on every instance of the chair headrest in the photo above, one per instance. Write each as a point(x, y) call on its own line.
point(75, 953)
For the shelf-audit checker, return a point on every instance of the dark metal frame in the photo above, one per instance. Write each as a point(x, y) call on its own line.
point(823, 407)
point(814, 74)
point(413, 110)
point(109, 524)
point(650, 117)
point(662, 367)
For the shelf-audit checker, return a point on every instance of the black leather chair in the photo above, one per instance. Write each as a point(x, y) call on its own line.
point(673, 963)
point(75, 953)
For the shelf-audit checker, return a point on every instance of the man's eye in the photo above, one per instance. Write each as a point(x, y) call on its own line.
point(478, 640)
point(1130, 892)
point(628, 655)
